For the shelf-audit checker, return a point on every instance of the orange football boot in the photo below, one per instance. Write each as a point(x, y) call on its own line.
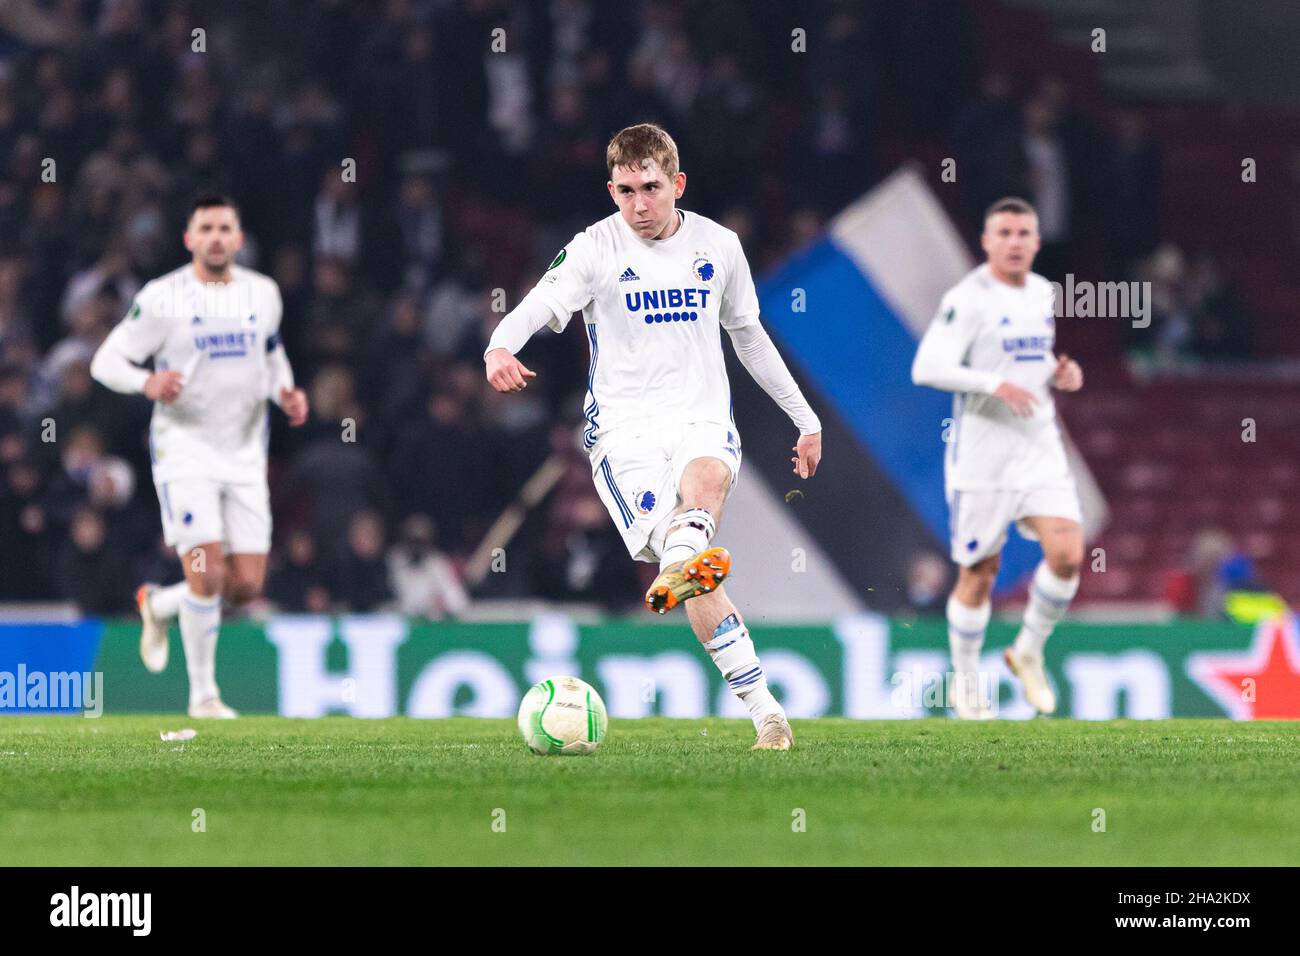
point(687, 579)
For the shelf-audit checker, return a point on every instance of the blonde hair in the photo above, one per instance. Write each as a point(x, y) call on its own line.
point(634, 145)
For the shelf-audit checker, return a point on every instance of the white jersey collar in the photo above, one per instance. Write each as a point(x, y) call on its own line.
point(668, 243)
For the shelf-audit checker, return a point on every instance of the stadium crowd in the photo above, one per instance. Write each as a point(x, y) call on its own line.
point(473, 165)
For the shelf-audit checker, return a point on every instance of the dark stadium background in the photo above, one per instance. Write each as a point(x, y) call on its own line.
point(472, 171)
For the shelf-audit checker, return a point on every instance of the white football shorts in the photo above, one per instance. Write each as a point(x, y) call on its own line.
point(638, 473)
point(977, 520)
point(199, 511)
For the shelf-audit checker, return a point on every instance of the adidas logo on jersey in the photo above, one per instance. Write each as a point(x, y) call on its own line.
point(629, 276)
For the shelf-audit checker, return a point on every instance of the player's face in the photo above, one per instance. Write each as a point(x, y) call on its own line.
point(214, 236)
point(646, 197)
point(1011, 241)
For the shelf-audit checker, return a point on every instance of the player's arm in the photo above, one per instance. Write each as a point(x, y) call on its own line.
point(133, 342)
point(505, 372)
point(291, 399)
point(565, 288)
point(757, 352)
point(939, 359)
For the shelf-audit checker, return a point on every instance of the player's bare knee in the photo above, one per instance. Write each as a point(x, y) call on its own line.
point(204, 567)
point(705, 484)
point(986, 570)
point(978, 590)
point(208, 583)
point(1066, 563)
point(719, 476)
point(242, 590)
point(975, 583)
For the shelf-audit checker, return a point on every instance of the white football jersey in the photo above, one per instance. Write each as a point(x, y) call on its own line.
point(218, 336)
point(1009, 333)
point(653, 310)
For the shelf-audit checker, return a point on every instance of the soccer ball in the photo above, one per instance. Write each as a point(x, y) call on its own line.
point(562, 715)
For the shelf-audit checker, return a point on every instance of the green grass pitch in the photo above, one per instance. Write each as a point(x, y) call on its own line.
point(664, 792)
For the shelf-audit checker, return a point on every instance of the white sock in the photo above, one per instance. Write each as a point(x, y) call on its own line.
point(1049, 597)
point(166, 602)
point(688, 534)
point(200, 622)
point(966, 627)
point(733, 653)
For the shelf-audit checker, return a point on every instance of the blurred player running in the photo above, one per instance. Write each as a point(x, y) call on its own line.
point(991, 343)
point(212, 329)
point(655, 284)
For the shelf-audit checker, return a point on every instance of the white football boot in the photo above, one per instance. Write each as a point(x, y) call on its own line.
point(153, 633)
point(213, 708)
point(774, 733)
point(965, 700)
point(1029, 668)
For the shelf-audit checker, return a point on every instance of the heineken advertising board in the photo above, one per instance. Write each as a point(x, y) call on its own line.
point(865, 666)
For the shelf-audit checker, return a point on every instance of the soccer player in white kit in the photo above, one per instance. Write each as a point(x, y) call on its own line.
point(212, 329)
point(991, 344)
point(655, 285)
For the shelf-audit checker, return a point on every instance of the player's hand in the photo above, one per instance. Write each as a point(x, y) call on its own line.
point(1020, 401)
point(164, 386)
point(1068, 377)
point(294, 403)
point(808, 454)
point(506, 373)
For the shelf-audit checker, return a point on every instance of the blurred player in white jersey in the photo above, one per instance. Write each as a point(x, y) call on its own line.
point(655, 285)
point(991, 343)
point(212, 329)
